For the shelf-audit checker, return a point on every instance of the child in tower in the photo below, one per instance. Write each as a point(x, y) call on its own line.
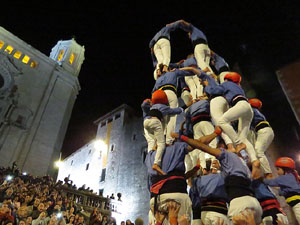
point(288, 182)
point(155, 111)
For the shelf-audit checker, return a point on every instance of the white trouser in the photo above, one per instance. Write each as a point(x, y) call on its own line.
point(242, 112)
point(162, 51)
point(238, 205)
point(188, 163)
point(183, 199)
point(296, 210)
point(218, 106)
point(269, 219)
point(171, 121)
point(154, 134)
point(185, 96)
point(200, 129)
point(196, 89)
point(264, 138)
point(213, 218)
point(196, 222)
point(222, 75)
point(202, 55)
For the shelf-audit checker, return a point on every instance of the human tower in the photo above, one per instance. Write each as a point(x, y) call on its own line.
point(214, 170)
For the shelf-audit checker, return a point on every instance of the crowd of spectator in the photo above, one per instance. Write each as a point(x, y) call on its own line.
point(30, 200)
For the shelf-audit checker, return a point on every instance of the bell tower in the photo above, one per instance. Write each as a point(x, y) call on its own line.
point(69, 55)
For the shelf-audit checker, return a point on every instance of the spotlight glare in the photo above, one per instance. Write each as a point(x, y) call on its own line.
point(100, 145)
point(9, 177)
point(59, 164)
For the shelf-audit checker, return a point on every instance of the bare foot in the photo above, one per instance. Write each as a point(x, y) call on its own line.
point(165, 68)
point(158, 169)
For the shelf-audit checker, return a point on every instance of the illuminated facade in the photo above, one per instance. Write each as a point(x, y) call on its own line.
point(116, 166)
point(37, 94)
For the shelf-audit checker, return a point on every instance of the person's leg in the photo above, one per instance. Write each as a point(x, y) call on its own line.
point(166, 50)
point(183, 199)
point(158, 54)
point(218, 106)
point(186, 96)
point(242, 204)
point(207, 128)
point(199, 87)
point(173, 103)
point(191, 84)
point(214, 218)
point(196, 153)
point(233, 114)
point(157, 129)
point(264, 138)
point(149, 135)
point(202, 55)
point(296, 210)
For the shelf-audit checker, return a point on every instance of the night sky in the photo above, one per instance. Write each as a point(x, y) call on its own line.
point(118, 67)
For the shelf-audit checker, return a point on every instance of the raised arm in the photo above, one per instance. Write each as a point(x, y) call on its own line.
point(192, 69)
point(197, 144)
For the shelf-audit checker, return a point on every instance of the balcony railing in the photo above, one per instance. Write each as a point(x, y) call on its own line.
point(88, 201)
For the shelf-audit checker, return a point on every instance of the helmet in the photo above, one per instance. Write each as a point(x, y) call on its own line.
point(285, 162)
point(159, 97)
point(255, 103)
point(234, 77)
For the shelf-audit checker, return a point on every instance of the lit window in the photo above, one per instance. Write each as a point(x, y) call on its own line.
point(9, 49)
point(33, 64)
point(72, 57)
point(1, 44)
point(26, 59)
point(60, 55)
point(17, 54)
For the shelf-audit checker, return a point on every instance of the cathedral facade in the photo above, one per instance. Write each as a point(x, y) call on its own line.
point(37, 94)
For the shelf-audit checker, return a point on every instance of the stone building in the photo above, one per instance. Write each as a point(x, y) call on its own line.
point(37, 94)
point(116, 166)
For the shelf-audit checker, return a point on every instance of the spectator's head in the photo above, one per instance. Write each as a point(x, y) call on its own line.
point(104, 218)
point(53, 219)
point(122, 222)
point(28, 199)
point(9, 191)
point(28, 220)
point(81, 219)
point(139, 221)
point(22, 222)
point(72, 219)
point(128, 222)
point(59, 202)
point(4, 208)
point(41, 207)
point(72, 210)
point(36, 202)
point(22, 212)
point(7, 222)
